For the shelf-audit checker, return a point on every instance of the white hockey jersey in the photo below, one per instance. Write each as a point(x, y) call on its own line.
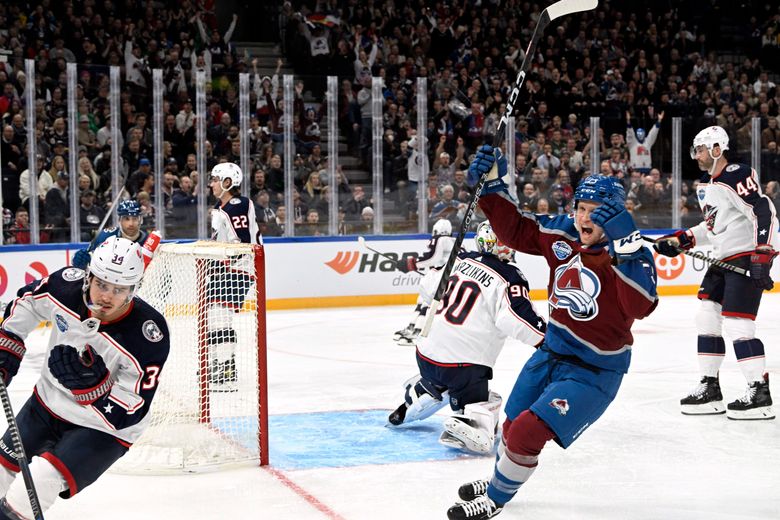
point(737, 216)
point(235, 222)
point(134, 349)
point(439, 249)
point(486, 302)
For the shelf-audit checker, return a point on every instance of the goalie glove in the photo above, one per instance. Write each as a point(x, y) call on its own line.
point(667, 247)
point(11, 353)
point(85, 375)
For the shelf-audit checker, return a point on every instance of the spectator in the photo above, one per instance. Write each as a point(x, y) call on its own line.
point(57, 208)
point(90, 215)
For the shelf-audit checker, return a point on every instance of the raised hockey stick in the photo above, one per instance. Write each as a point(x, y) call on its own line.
point(105, 219)
point(362, 242)
point(552, 12)
point(19, 449)
point(704, 258)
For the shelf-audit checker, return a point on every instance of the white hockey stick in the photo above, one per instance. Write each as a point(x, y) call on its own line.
point(552, 12)
point(362, 242)
point(24, 468)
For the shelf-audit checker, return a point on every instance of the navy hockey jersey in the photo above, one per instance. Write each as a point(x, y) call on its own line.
point(134, 348)
point(235, 222)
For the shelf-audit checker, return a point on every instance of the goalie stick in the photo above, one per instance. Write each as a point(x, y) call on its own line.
point(24, 468)
point(362, 242)
point(550, 13)
point(704, 258)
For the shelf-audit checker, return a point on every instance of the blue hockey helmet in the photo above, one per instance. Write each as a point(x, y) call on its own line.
point(640, 134)
point(128, 208)
point(600, 188)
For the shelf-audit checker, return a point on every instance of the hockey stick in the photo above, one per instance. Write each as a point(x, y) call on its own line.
point(105, 219)
point(362, 242)
point(704, 258)
point(552, 12)
point(19, 448)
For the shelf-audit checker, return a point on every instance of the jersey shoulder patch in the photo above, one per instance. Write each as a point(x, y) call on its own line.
point(71, 274)
point(235, 201)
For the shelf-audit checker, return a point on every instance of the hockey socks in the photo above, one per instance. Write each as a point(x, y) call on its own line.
point(750, 356)
point(711, 350)
point(525, 438)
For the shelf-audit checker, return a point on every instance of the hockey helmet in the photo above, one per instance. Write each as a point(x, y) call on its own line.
point(442, 227)
point(228, 170)
point(709, 137)
point(128, 208)
point(600, 188)
point(118, 261)
point(487, 242)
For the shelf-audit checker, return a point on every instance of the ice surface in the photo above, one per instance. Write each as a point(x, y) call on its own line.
point(333, 372)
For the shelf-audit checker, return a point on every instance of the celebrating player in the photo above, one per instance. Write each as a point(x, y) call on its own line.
point(439, 247)
point(91, 403)
point(486, 302)
point(740, 223)
point(129, 213)
point(601, 280)
point(233, 221)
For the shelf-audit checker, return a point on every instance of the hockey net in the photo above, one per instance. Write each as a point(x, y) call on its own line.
point(210, 410)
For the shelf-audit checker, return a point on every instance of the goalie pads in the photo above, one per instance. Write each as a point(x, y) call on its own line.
point(476, 427)
point(422, 399)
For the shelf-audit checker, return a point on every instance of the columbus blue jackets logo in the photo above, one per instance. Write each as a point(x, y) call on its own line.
point(61, 323)
point(151, 331)
point(575, 289)
point(562, 405)
point(72, 274)
point(561, 250)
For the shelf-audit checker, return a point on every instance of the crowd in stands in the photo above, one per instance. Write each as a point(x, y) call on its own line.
point(635, 68)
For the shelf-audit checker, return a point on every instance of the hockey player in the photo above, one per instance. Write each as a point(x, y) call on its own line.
point(233, 216)
point(129, 213)
point(601, 280)
point(439, 248)
point(233, 221)
point(740, 223)
point(486, 302)
point(106, 352)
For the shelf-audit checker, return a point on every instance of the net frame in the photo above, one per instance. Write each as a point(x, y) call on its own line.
point(175, 434)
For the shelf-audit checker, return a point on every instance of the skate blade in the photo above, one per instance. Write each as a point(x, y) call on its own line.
point(764, 413)
point(712, 408)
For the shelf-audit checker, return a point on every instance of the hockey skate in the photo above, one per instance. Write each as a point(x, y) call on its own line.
point(223, 377)
point(478, 509)
point(469, 433)
point(447, 439)
point(403, 332)
point(705, 399)
point(397, 417)
point(472, 490)
point(408, 338)
point(756, 404)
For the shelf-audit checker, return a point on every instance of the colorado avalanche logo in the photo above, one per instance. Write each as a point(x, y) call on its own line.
point(576, 288)
point(562, 405)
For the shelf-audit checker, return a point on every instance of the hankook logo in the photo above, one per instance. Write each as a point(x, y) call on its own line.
point(346, 261)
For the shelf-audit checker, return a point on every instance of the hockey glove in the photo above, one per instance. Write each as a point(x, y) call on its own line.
point(618, 225)
point(407, 265)
point(491, 161)
point(81, 259)
point(760, 265)
point(667, 248)
point(11, 353)
point(85, 375)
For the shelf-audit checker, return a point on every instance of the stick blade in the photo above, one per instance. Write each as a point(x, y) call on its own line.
point(567, 7)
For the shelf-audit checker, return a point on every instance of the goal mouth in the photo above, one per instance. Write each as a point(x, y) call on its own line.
point(210, 410)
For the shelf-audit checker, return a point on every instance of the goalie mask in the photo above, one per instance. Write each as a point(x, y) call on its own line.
point(487, 242)
point(640, 135)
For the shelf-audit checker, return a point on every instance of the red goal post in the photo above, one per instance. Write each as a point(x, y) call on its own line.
point(211, 408)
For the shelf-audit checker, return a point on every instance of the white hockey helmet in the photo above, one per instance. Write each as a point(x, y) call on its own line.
point(709, 137)
point(442, 227)
point(228, 170)
point(487, 242)
point(118, 261)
